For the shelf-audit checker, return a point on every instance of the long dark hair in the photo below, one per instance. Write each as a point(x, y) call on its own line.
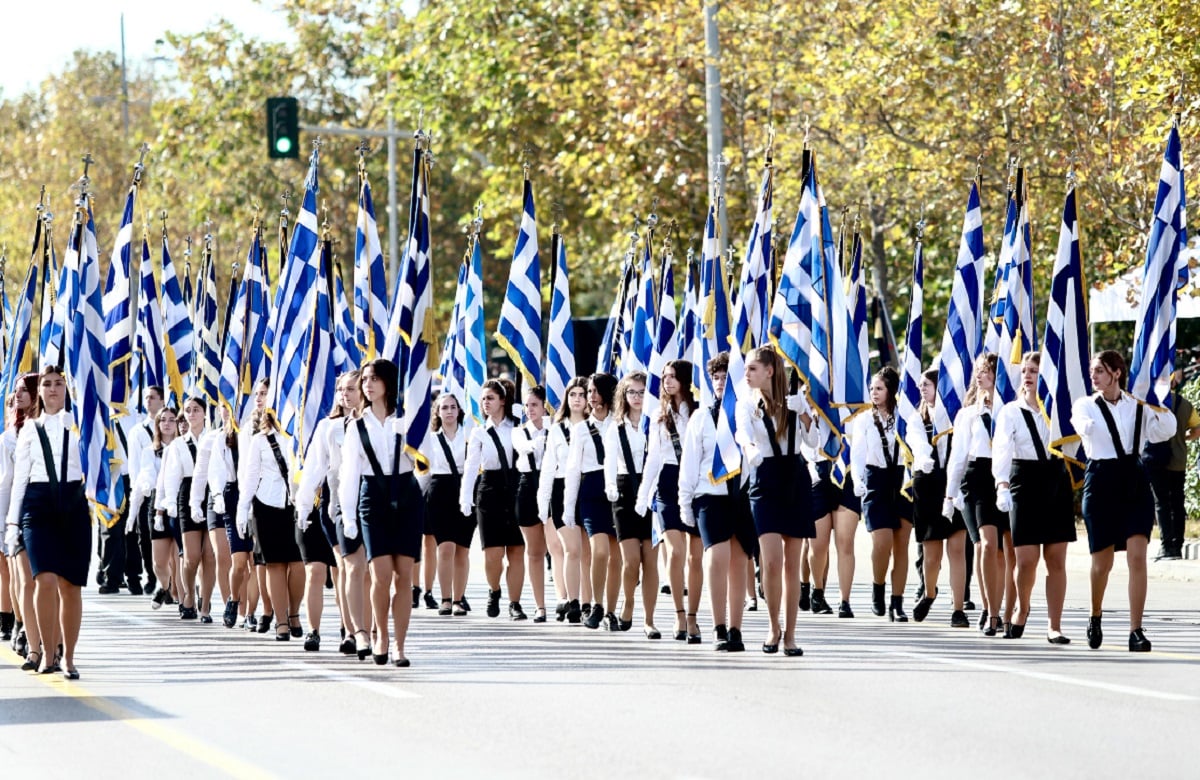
point(1115, 362)
point(775, 398)
point(498, 387)
point(683, 375)
point(891, 382)
point(437, 405)
point(563, 412)
point(30, 381)
point(385, 371)
point(158, 443)
point(926, 408)
point(620, 407)
point(606, 386)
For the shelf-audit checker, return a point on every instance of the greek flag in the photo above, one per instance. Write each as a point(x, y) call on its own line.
point(346, 355)
point(86, 358)
point(520, 330)
point(610, 344)
point(909, 397)
point(453, 369)
point(473, 343)
point(233, 362)
point(49, 329)
point(1064, 373)
point(999, 302)
point(750, 312)
point(665, 345)
point(856, 299)
point(152, 358)
point(727, 459)
point(714, 322)
point(560, 342)
point(626, 362)
point(178, 323)
point(209, 358)
point(318, 370)
point(54, 335)
point(258, 306)
point(18, 359)
point(295, 305)
point(370, 281)
point(964, 321)
point(686, 334)
point(1017, 333)
point(645, 312)
point(399, 327)
point(417, 297)
point(1166, 270)
point(118, 313)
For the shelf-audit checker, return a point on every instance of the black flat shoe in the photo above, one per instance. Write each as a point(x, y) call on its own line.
point(652, 633)
point(595, 616)
point(402, 663)
point(560, 612)
point(229, 617)
point(720, 638)
point(1015, 631)
point(1138, 643)
point(430, 601)
point(694, 639)
point(296, 630)
point(33, 659)
point(312, 642)
point(347, 646)
point(771, 648)
point(969, 606)
point(994, 627)
point(1095, 636)
point(573, 612)
point(624, 625)
point(493, 604)
point(1057, 639)
point(264, 625)
point(959, 619)
point(515, 612)
point(921, 611)
point(752, 605)
point(459, 609)
point(416, 594)
point(805, 597)
point(844, 610)
point(206, 620)
point(70, 674)
point(793, 652)
point(282, 636)
point(819, 605)
point(380, 660)
point(736, 645)
point(465, 604)
point(539, 615)
point(445, 608)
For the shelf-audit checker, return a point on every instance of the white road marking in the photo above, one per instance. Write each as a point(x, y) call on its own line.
point(382, 689)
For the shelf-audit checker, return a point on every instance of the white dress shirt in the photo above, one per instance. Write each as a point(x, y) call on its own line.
point(660, 451)
point(200, 477)
point(972, 441)
point(1012, 440)
point(1157, 425)
point(321, 465)
point(8, 448)
point(614, 460)
point(752, 434)
point(696, 462)
point(178, 465)
point(29, 464)
point(554, 465)
point(528, 440)
point(482, 455)
point(438, 464)
point(355, 464)
point(140, 436)
point(259, 475)
point(583, 457)
point(917, 440)
point(869, 447)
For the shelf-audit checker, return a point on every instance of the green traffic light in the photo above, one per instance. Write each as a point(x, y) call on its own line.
point(283, 145)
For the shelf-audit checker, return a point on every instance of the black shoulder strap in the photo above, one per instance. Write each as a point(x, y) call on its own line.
point(51, 472)
point(1112, 426)
point(566, 431)
point(233, 453)
point(279, 461)
point(441, 437)
point(626, 450)
point(929, 434)
point(592, 429)
point(1137, 431)
point(121, 436)
point(770, 426)
point(368, 449)
point(499, 447)
point(532, 460)
point(986, 417)
point(791, 418)
point(673, 432)
point(191, 445)
point(1034, 436)
point(889, 457)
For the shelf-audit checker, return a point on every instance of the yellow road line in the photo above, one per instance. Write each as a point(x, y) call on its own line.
point(216, 758)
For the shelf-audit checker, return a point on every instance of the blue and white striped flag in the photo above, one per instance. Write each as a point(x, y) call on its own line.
point(346, 355)
point(752, 308)
point(688, 319)
point(417, 297)
point(645, 316)
point(50, 330)
point(474, 354)
point(258, 307)
point(1165, 271)
point(18, 359)
point(909, 396)
point(1064, 372)
point(1018, 333)
point(560, 341)
point(370, 280)
point(233, 361)
point(856, 302)
point(209, 354)
point(318, 371)
point(727, 459)
point(666, 343)
point(151, 330)
point(715, 325)
point(961, 342)
point(609, 354)
point(998, 304)
point(519, 332)
point(118, 313)
point(179, 343)
point(452, 370)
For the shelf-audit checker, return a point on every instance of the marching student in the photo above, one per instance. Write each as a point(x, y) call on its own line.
point(1033, 486)
point(726, 527)
point(622, 480)
point(50, 512)
point(878, 479)
point(938, 536)
point(246, 431)
point(264, 493)
point(583, 491)
point(969, 480)
point(660, 492)
point(489, 467)
point(770, 426)
point(164, 532)
point(179, 463)
point(529, 448)
point(21, 407)
point(139, 557)
point(201, 511)
point(1118, 508)
point(551, 489)
point(380, 497)
point(441, 486)
point(836, 508)
point(223, 487)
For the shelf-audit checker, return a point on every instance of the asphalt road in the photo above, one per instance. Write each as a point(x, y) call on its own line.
point(493, 699)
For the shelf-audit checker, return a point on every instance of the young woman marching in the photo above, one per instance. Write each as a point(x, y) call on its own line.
point(318, 489)
point(969, 475)
point(770, 426)
point(379, 493)
point(622, 481)
point(660, 491)
point(938, 536)
point(529, 447)
point(265, 478)
point(246, 431)
point(726, 528)
point(179, 464)
point(22, 407)
point(223, 486)
point(428, 564)
point(217, 560)
point(490, 466)
point(584, 491)
point(551, 489)
point(165, 537)
point(878, 479)
point(1033, 487)
point(441, 485)
point(50, 509)
point(1118, 507)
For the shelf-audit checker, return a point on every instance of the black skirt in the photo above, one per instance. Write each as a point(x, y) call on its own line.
point(183, 508)
point(237, 544)
point(628, 523)
point(828, 496)
point(723, 517)
point(391, 515)
point(495, 511)
point(781, 498)
point(314, 547)
point(274, 533)
point(1117, 502)
point(442, 516)
point(527, 490)
point(929, 493)
point(1043, 504)
point(56, 530)
point(557, 490)
point(884, 506)
point(979, 494)
point(592, 505)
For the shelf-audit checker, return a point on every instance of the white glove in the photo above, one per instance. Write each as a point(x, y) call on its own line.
point(611, 494)
point(198, 516)
point(960, 502)
point(218, 504)
point(349, 528)
point(243, 525)
point(303, 521)
point(465, 509)
point(687, 516)
point(925, 466)
point(640, 508)
point(131, 524)
point(159, 525)
point(569, 517)
point(948, 509)
point(754, 456)
point(11, 533)
point(860, 488)
point(1004, 499)
point(797, 403)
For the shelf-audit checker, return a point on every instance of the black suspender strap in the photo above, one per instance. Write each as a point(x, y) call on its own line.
point(929, 434)
point(532, 460)
point(791, 418)
point(365, 438)
point(566, 431)
point(279, 461)
point(499, 448)
point(124, 441)
point(673, 432)
point(987, 424)
point(596, 440)
point(52, 473)
point(889, 457)
point(441, 437)
point(1137, 432)
point(716, 411)
point(1034, 436)
point(1115, 434)
point(770, 426)
point(626, 450)
point(233, 453)
point(191, 445)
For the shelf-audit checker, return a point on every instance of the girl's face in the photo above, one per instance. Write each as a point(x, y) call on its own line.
point(372, 386)
point(635, 395)
point(181, 426)
point(53, 390)
point(577, 400)
point(595, 400)
point(718, 380)
point(448, 411)
point(348, 396)
point(879, 393)
point(1029, 375)
point(986, 378)
point(195, 416)
point(493, 404)
point(168, 425)
point(670, 384)
point(535, 410)
point(928, 390)
point(260, 396)
point(226, 416)
point(1104, 379)
point(758, 375)
point(23, 399)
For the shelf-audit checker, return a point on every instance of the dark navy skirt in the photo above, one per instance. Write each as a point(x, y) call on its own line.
point(495, 511)
point(781, 498)
point(666, 500)
point(275, 533)
point(827, 496)
point(314, 547)
point(929, 493)
point(979, 493)
point(183, 508)
point(557, 489)
point(884, 506)
point(442, 516)
point(236, 543)
point(391, 515)
point(723, 517)
point(1043, 504)
point(628, 523)
point(527, 490)
point(1117, 502)
point(594, 510)
point(56, 530)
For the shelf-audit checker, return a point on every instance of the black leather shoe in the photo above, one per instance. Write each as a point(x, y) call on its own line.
point(573, 613)
point(560, 612)
point(1095, 635)
point(694, 639)
point(819, 605)
point(720, 638)
point(446, 608)
point(983, 621)
point(459, 609)
point(296, 630)
point(994, 626)
point(611, 623)
point(229, 618)
point(959, 619)
point(805, 598)
point(594, 617)
point(539, 615)
point(1015, 631)
point(465, 604)
point(135, 588)
point(921, 611)
point(736, 645)
point(187, 613)
point(896, 610)
point(416, 596)
point(515, 612)
point(969, 606)
point(264, 625)
point(844, 610)
point(347, 645)
point(877, 600)
point(771, 648)
point(1057, 639)
point(493, 604)
point(651, 632)
point(793, 652)
point(624, 625)
point(1138, 643)
point(312, 642)
point(430, 601)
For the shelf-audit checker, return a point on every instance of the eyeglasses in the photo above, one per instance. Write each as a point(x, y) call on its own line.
point(634, 393)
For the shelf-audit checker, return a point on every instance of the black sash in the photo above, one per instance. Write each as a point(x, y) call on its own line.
point(51, 474)
point(441, 437)
point(673, 432)
point(929, 434)
point(596, 440)
point(770, 426)
point(987, 423)
point(1034, 435)
point(1115, 434)
point(532, 460)
point(500, 449)
point(626, 450)
point(889, 457)
point(282, 464)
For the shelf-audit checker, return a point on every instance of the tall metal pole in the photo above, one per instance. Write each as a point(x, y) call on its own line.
point(124, 83)
point(393, 195)
point(716, 127)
